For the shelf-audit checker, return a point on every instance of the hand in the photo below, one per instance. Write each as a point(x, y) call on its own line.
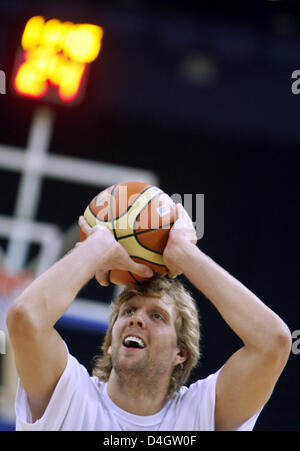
point(113, 254)
point(181, 236)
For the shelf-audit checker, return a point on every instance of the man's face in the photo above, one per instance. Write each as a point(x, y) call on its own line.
point(144, 337)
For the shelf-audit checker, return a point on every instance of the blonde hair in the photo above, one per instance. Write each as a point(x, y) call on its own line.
point(186, 325)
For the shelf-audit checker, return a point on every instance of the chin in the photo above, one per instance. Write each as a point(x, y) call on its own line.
point(130, 364)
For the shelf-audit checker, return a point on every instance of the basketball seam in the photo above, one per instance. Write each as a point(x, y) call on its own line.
point(150, 200)
point(125, 212)
point(145, 260)
point(95, 216)
point(135, 280)
point(130, 206)
point(145, 231)
point(112, 220)
point(136, 233)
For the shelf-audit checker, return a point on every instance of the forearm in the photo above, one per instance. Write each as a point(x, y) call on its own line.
point(50, 295)
point(248, 317)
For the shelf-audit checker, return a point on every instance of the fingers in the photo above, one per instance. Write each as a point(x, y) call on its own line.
point(181, 213)
point(192, 236)
point(179, 210)
point(120, 259)
point(172, 275)
point(126, 263)
point(181, 219)
point(137, 268)
point(85, 227)
point(102, 278)
point(140, 269)
point(185, 223)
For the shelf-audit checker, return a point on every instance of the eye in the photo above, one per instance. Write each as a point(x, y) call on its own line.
point(129, 311)
point(157, 316)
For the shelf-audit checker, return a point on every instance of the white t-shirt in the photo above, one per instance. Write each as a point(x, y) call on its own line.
point(81, 403)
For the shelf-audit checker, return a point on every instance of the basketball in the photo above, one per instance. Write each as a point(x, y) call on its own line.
point(140, 217)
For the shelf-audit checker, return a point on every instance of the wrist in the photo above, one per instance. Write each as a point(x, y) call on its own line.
point(102, 248)
point(186, 251)
point(178, 254)
point(89, 253)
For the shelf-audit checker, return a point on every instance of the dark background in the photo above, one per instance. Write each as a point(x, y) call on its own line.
point(202, 96)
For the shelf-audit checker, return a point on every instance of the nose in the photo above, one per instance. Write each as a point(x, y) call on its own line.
point(136, 321)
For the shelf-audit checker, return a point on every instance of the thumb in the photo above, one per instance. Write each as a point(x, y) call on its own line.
point(173, 275)
point(101, 277)
point(140, 269)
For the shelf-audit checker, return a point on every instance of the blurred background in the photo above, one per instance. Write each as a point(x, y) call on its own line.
point(197, 100)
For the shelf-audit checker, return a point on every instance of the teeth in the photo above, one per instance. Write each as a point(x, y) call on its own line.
point(136, 340)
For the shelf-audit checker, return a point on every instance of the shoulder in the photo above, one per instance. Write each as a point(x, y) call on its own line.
point(74, 389)
point(204, 388)
point(199, 395)
point(193, 407)
point(77, 376)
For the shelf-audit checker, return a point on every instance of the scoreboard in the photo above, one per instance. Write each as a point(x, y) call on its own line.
point(54, 56)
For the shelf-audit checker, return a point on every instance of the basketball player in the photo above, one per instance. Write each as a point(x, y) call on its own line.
point(150, 347)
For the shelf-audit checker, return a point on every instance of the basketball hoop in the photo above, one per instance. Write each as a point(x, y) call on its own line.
point(11, 285)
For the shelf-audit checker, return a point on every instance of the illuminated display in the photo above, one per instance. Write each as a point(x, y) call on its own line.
point(56, 53)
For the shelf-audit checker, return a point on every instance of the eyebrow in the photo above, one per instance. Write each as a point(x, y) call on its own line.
point(131, 303)
point(163, 311)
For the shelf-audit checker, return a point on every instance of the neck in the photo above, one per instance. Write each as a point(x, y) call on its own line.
point(137, 395)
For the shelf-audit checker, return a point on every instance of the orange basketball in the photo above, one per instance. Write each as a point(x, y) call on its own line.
point(140, 217)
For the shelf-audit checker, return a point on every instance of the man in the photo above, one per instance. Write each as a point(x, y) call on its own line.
point(145, 354)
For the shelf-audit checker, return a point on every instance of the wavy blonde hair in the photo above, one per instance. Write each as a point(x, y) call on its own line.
point(186, 325)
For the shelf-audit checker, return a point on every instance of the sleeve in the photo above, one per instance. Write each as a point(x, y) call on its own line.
point(250, 423)
point(205, 392)
point(64, 408)
point(206, 389)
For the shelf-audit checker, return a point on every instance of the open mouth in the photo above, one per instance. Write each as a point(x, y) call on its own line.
point(133, 342)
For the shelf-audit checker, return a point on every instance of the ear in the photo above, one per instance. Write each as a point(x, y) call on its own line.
point(109, 351)
point(181, 356)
